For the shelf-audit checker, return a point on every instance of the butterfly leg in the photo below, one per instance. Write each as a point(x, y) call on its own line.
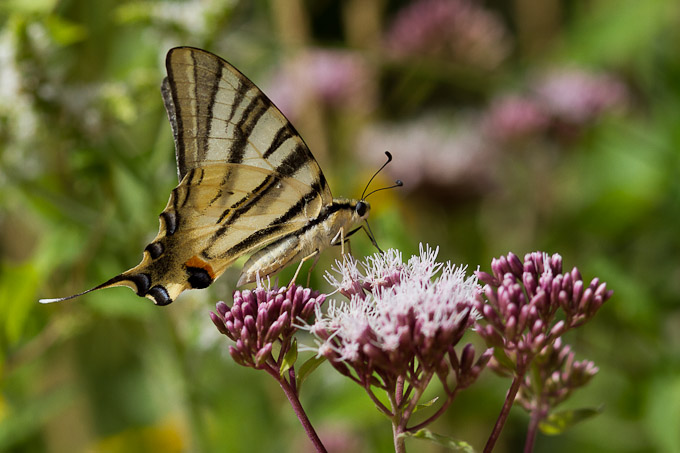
point(302, 261)
point(339, 239)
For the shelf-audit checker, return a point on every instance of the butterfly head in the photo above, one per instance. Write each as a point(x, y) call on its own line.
point(361, 210)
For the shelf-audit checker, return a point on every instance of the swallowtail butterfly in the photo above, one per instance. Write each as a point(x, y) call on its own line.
point(248, 185)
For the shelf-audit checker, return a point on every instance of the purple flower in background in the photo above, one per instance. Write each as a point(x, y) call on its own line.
point(433, 150)
point(457, 30)
point(514, 118)
point(577, 96)
point(561, 102)
point(337, 78)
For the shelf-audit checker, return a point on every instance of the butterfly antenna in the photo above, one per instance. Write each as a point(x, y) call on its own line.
point(389, 159)
point(397, 183)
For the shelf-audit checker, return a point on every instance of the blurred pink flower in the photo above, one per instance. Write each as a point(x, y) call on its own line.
point(562, 101)
point(459, 30)
point(334, 77)
point(577, 96)
point(513, 118)
point(431, 150)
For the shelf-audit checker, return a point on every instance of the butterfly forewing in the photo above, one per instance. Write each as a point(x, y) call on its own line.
point(221, 116)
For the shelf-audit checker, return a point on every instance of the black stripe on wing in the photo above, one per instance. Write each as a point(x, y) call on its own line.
point(264, 234)
point(290, 165)
point(178, 130)
point(204, 113)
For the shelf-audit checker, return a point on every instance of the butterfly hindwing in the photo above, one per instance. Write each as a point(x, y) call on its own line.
point(209, 222)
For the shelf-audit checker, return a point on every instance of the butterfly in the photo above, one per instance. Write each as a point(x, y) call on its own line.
point(248, 185)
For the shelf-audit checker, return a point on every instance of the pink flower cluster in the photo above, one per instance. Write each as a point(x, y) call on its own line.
point(558, 375)
point(457, 30)
point(259, 318)
point(403, 320)
point(520, 304)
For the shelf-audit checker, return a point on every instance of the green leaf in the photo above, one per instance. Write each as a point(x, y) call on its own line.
point(425, 404)
point(307, 368)
point(444, 441)
point(559, 422)
point(290, 358)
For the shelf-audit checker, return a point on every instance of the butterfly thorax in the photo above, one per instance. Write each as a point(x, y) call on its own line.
point(330, 227)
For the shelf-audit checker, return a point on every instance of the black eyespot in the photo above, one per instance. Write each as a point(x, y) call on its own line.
point(361, 208)
point(170, 221)
point(199, 278)
point(142, 282)
point(155, 249)
point(160, 295)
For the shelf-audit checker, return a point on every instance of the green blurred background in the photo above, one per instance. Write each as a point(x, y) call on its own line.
point(515, 125)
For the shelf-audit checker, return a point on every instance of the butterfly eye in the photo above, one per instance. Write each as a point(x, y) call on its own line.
point(361, 208)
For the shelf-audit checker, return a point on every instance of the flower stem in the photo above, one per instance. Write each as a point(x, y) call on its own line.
point(399, 445)
point(299, 411)
point(536, 416)
point(397, 425)
point(437, 414)
point(381, 407)
point(503, 416)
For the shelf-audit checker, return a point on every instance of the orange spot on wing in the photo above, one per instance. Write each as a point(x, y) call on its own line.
point(195, 261)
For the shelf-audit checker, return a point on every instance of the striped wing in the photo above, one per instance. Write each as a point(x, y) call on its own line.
point(218, 115)
point(246, 178)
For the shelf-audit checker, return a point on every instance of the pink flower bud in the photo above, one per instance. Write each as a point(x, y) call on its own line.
point(558, 329)
point(467, 356)
point(515, 265)
point(263, 354)
point(219, 323)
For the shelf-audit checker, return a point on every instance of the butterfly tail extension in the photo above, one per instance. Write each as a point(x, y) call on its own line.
point(118, 280)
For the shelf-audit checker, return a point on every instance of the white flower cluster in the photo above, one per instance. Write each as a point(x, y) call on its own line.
point(408, 310)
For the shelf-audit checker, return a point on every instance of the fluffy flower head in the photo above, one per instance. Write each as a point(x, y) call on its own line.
point(403, 312)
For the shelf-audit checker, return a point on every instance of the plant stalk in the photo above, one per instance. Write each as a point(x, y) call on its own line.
point(299, 411)
point(503, 416)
